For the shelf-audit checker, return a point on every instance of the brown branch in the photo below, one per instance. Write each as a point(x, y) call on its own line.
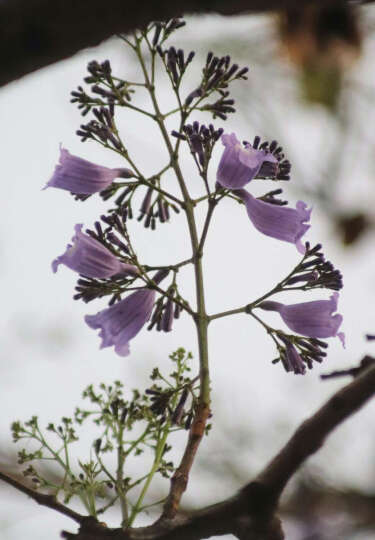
point(45, 500)
point(181, 476)
point(250, 515)
point(36, 33)
point(310, 436)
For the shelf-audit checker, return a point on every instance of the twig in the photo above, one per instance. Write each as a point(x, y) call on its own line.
point(45, 500)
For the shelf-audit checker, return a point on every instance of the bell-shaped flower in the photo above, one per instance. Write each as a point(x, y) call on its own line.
point(314, 319)
point(281, 222)
point(239, 164)
point(82, 177)
point(89, 257)
point(119, 323)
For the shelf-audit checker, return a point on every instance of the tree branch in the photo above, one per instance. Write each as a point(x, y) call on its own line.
point(250, 514)
point(36, 33)
point(310, 436)
point(43, 499)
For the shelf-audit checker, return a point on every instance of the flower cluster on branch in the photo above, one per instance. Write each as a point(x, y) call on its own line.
point(142, 294)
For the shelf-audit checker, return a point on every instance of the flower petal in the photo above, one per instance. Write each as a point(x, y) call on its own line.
point(80, 176)
point(238, 164)
point(89, 257)
point(281, 222)
point(119, 323)
point(312, 319)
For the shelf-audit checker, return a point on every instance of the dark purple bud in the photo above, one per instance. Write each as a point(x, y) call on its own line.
point(155, 39)
point(194, 94)
point(314, 262)
point(309, 276)
point(167, 320)
point(148, 218)
point(160, 275)
point(319, 342)
point(161, 211)
point(177, 311)
point(126, 173)
point(146, 204)
point(215, 79)
point(123, 195)
point(242, 72)
point(117, 242)
point(166, 209)
point(211, 68)
point(99, 115)
point(179, 411)
point(314, 249)
point(115, 142)
point(189, 58)
point(231, 72)
point(181, 59)
point(178, 135)
point(99, 229)
point(196, 144)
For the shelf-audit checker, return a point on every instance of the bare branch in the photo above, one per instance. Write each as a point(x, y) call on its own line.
point(310, 436)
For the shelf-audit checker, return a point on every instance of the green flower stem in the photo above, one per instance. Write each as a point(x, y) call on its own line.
point(135, 443)
point(278, 288)
point(171, 266)
point(67, 470)
point(200, 317)
point(157, 460)
point(105, 470)
point(211, 207)
point(120, 476)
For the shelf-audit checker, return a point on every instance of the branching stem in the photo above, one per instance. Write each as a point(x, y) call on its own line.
point(179, 480)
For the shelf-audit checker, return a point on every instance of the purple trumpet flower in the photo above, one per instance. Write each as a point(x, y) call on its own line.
point(238, 164)
point(281, 222)
point(119, 323)
point(312, 319)
point(82, 177)
point(89, 257)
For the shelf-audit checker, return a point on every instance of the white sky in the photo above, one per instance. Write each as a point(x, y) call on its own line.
point(48, 355)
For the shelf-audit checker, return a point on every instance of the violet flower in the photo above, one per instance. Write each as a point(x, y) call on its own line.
point(89, 257)
point(238, 164)
point(82, 177)
point(119, 323)
point(281, 222)
point(312, 319)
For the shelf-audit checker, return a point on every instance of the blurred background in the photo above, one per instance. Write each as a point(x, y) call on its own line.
point(311, 87)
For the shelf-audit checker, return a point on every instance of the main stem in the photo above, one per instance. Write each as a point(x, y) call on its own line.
point(180, 478)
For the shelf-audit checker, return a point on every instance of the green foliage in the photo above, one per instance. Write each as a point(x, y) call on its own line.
point(124, 427)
